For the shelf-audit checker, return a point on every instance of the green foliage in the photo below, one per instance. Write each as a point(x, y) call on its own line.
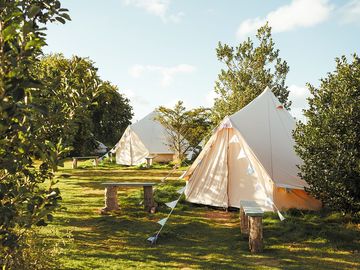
point(249, 70)
point(23, 203)
point(30, 254)
point(55, 154)
point(111, 115)
point(329, 143)
point(66, 100)
point(185, 128)
point(77, 106)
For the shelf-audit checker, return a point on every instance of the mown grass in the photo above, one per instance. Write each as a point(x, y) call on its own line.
point(196, 237)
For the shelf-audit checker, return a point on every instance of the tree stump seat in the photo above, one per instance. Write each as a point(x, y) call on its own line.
point(111, 201)
point(251, 216)
point(75, 160)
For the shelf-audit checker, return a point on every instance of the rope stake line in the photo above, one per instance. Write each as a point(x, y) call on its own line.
point(162, 222)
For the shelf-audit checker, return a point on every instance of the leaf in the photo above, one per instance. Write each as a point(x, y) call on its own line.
point(27, 28)
point(57, 4)
point(60, 19)
point(41, 222)
point(66, 16)
point(33, 11)
point(9, 32)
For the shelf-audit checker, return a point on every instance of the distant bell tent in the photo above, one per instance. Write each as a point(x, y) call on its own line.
point(145, 138)
point(251, 156)
point(101, 148)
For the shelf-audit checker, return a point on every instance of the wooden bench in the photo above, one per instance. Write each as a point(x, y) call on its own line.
point(75, 160)
point(251, 216)
point(111, 202)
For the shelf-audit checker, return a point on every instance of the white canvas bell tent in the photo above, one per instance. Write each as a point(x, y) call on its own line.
point(145, 138)
point(101, 149)
point(251, 156)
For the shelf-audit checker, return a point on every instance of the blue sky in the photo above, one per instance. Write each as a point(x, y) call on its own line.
point(161, 51)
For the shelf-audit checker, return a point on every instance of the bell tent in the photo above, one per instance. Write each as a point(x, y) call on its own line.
point(145, 138)
point(251, 156)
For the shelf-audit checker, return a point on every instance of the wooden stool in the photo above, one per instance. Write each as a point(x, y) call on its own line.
point(251, 216)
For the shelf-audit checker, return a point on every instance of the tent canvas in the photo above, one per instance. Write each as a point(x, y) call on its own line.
point(251, 156)
point(101, 148)
point(142, 139)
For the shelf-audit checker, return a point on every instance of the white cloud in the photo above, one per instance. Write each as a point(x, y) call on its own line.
point(136, 71)
point(351, 12)
point(167, 73)
point(158, 8)
point(130, 94)
point(298, 92)
point(298, 96)
point(299, 13)
point(210, 98)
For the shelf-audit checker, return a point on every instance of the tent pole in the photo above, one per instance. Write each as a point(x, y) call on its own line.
point(131, 152)
point(227, 164)
point(271, 148)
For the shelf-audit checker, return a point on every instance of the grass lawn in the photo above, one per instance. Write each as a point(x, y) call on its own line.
point(195, 237)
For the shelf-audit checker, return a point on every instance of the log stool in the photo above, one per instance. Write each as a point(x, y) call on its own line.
point(251, 216)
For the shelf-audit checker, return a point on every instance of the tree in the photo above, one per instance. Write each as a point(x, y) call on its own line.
point(329, 143)
point(66, 99)
point(199, 126)
point(23, 201)
point(185, 129)
point(249, 70)
point(77, 106)
point(111, 115)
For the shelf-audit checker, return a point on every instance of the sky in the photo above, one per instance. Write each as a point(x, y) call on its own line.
point(160, 51)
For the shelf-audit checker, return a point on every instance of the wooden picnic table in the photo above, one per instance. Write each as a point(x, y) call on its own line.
point(111, 201)
point(251, 216)
point(75, 160)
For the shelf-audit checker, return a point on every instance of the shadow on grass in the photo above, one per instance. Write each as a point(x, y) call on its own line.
point(198, 244)
point(195, 237)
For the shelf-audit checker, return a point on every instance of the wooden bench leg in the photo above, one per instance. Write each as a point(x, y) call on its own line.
point(256, 235)
point(111, 202)
point(244, 222)
point(148, 198)
point(74, 163)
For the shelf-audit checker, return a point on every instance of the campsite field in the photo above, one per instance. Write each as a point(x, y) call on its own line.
point(195, 237)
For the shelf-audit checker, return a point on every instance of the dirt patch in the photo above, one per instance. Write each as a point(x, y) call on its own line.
point(220, 215)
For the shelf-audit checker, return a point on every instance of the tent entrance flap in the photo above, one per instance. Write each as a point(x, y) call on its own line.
point(211, 175)
point(248, 180)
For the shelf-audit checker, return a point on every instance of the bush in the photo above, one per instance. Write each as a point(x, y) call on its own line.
point(30, 252)
point(329, 143)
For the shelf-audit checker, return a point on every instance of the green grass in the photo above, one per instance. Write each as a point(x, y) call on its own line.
point(195, 237)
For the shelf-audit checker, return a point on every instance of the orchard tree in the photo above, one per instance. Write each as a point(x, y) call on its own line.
point(185, 128)
point(329, 142)
point(111, 114)
point(24, 199)
point(249, 70)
